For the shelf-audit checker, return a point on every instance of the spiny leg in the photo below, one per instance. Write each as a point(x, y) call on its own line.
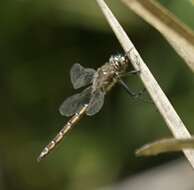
point(126, 88)
point(133, 94)
point(129, 73)
point(124, 85)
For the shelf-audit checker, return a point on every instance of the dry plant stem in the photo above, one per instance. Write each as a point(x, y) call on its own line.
point(180, 37)
point(159, 98)
point(165, 145)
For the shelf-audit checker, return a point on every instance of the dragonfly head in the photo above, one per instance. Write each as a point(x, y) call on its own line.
point(119, 61)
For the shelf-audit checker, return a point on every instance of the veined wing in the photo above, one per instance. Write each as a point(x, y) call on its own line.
point(81, 76)
point(165, 145)
point(96, 102)
point(74, 103)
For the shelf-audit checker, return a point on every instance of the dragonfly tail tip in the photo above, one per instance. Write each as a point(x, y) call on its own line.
point(39, 158)
point(42, 155)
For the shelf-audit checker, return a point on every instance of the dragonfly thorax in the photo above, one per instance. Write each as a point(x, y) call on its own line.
point(107, 75)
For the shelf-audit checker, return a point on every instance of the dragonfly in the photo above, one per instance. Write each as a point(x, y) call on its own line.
point(165, 145)
point(90, 101)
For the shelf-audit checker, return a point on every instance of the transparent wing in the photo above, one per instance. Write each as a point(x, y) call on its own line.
point(74, 103)
point(81, 76)
point(96, 103)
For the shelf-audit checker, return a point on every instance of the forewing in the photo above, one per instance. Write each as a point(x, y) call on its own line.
point(74, 103)
point(96, 103)
point(81, 76)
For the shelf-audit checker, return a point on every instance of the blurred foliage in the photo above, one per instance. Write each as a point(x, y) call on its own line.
point(39, 42)
point(192, 1)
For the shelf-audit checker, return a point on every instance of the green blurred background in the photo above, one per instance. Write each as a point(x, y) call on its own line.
point(39, 42)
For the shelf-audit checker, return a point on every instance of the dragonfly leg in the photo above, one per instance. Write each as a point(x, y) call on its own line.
point(130, 92)
point(129, 73)
point(134, 94)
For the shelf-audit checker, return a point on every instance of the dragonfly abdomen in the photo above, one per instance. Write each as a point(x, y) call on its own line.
point(73, 121)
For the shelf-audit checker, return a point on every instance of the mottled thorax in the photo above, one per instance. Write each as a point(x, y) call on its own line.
point(107, 75)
